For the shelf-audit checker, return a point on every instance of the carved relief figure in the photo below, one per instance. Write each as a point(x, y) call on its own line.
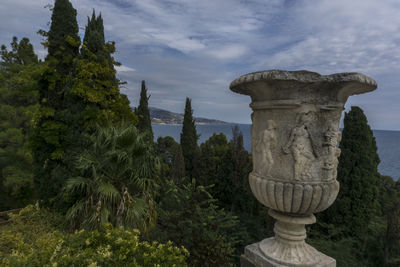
point(264, 148)
point(332, 138)
point(300, 145)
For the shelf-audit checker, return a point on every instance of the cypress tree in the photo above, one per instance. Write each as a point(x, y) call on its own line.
point(51, 148)
point(63, 40)
point(390, 201)
point(189, 139)
point(178, 167)
point(95, 82)
point(358, 175)
point(144, 124)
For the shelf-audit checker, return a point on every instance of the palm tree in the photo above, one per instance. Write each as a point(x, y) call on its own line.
point(117, 181)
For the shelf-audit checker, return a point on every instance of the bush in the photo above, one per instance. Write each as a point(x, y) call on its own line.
point(33, 240)
point(189, 217)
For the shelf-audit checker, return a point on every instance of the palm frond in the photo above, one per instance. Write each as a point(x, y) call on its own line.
point(108, 193)
point(78, 185)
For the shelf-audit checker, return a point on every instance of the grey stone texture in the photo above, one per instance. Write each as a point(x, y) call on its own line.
point(253, 257)
point(294, 137)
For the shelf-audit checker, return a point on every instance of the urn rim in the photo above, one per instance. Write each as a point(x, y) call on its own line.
point(358, 82)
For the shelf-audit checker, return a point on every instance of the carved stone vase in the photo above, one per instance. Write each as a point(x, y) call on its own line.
point(294, 140)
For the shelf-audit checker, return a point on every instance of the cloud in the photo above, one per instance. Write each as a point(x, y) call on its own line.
point(343, 36)
point(191, 48)
point(228, 52)
point(121, 69)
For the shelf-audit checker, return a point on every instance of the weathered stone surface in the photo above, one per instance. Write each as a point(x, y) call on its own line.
point(253, 257)
point(295, 136)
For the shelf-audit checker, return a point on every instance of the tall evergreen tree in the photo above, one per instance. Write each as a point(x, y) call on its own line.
point(231, 186)
point(52, 154)
point(166, 147)
point(95, 81)
point(189, 139)
point(19, 72)
point(63, 40)
point(212, 152)
point(178, 167)
point(390, 201)
point(143, 112)
point(358, 175)
point(94, 40)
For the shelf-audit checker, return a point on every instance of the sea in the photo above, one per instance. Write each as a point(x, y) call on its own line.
point(388, 142)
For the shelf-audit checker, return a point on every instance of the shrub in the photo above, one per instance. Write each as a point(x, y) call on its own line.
point(34, 240)
point(189, 217)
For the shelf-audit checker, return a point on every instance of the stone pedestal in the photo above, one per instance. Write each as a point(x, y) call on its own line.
point(254, 257)
point(294, 142)
point(288, 247)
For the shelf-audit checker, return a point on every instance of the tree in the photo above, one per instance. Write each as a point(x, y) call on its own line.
point(390, 201)
point(63, 39)
point(358, 175)
point(178, 167)
point(355, 218)
point(78, 92)
point(143, 112)
point(56, 134)
point(225, 166)
point(165, 148)
point(19, 72)
point(95, 81)
point(213, 151)
point(116, 182)
point(189, 217)
point(94, 41)
point(189, 139)
point(22, 54)
point(231, 186)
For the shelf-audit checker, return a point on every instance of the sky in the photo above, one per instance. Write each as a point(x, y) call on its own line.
point(192, 48)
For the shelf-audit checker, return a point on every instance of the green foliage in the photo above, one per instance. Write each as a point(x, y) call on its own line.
point(189, 217)
point(344, 251)
point(31, 237)
point(178, 167)
point(213, 151)
point(19, 72)
point(95, 82)
point(166, 147)
point(57, 133)
point(116, 182)
point(226, 165)
point(21, 54)
point(189, 140)
point(63, 40)
point(77, 93)
point(33, 240)
point(231, 186)
point(358, 175)
point(94, 41)
point(144, 124)
point(115, 247)
point(171, 158)
point(390, 202)
point(356, 214)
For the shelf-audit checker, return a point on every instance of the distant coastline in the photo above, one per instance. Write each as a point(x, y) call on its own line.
point(165, 117)
point(197, 123)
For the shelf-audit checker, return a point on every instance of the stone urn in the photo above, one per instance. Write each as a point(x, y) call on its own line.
point(294, 142)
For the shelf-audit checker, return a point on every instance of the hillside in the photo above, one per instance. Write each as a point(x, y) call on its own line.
point(161, 116)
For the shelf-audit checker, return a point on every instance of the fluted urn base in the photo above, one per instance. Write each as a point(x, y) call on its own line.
point(288, 247)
